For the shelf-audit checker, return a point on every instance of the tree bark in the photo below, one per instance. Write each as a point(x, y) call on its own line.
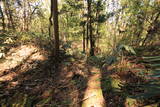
point(56, 29)
point(3, 19)
point(9, 14)
point(50, 19)
point(87, 37)
point(84, 43)
point(151, 29)
point(97, 25)
point(6, 12)
point(92, 41)
point(87, 27)
point(24, 15)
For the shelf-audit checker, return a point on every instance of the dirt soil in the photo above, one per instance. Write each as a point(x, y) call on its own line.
point(28, 78)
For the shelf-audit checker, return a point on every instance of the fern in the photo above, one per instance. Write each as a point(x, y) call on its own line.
point(152, 87)
point(129, 49)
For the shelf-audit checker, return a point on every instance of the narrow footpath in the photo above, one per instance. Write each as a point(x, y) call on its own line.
point(93, 95)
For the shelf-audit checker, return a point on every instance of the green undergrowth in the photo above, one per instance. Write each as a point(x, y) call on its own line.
point(134, 79)
point(11, 39)
point(24, 100)
point(111, 84)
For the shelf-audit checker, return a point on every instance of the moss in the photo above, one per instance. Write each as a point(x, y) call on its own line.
point(115, 83)
point(130, 102)
point(111, 84)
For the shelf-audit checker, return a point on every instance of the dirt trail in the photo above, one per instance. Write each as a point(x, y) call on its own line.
point(93, 95)
point(78, 84)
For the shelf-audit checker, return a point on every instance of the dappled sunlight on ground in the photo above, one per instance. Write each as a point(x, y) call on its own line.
point(16, 56)
point(19, 60)
point(70, 84)
point(27, 78)
point(93, 95)
point(31, 76)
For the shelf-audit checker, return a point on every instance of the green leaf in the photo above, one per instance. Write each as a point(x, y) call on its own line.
point(151, 57)
point(152, 60)
point(154, 65)
point(127, 48)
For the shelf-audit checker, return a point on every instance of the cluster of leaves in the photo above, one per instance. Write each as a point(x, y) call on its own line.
point(140, 16)
point(20, 15)
point(134, 22)
point(121, 48)
point(70, 17)
point(10, 39)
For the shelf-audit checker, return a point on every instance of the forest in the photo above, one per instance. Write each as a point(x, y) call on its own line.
point(79, 53)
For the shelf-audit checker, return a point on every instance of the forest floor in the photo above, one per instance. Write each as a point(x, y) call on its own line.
point(123, 82)
point(28, 78)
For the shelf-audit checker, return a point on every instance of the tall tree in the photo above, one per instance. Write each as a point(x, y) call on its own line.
point(7, 4)
point(92, 41)
point(2, 15)
point(54, 5)
point(24, 15)
point(50, 19)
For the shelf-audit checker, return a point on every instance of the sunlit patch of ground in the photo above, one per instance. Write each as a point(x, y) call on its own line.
point(31, 79)
point(93, 95)
point(16, 56)
point(22, 55)
point(21, 75)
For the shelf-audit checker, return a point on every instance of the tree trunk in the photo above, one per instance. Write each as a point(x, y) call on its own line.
point(151, 29)
point(97, 25)
point(9, 14)
point(92, 41)
point(28, 15)
point(50, 20)
point(87, 30)
point(56, 29)
point(24, 15)
point(87, 34)
point(3, 19)
point(84, 44)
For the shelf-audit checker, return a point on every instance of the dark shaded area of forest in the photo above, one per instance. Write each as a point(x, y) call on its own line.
point(79, 53)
